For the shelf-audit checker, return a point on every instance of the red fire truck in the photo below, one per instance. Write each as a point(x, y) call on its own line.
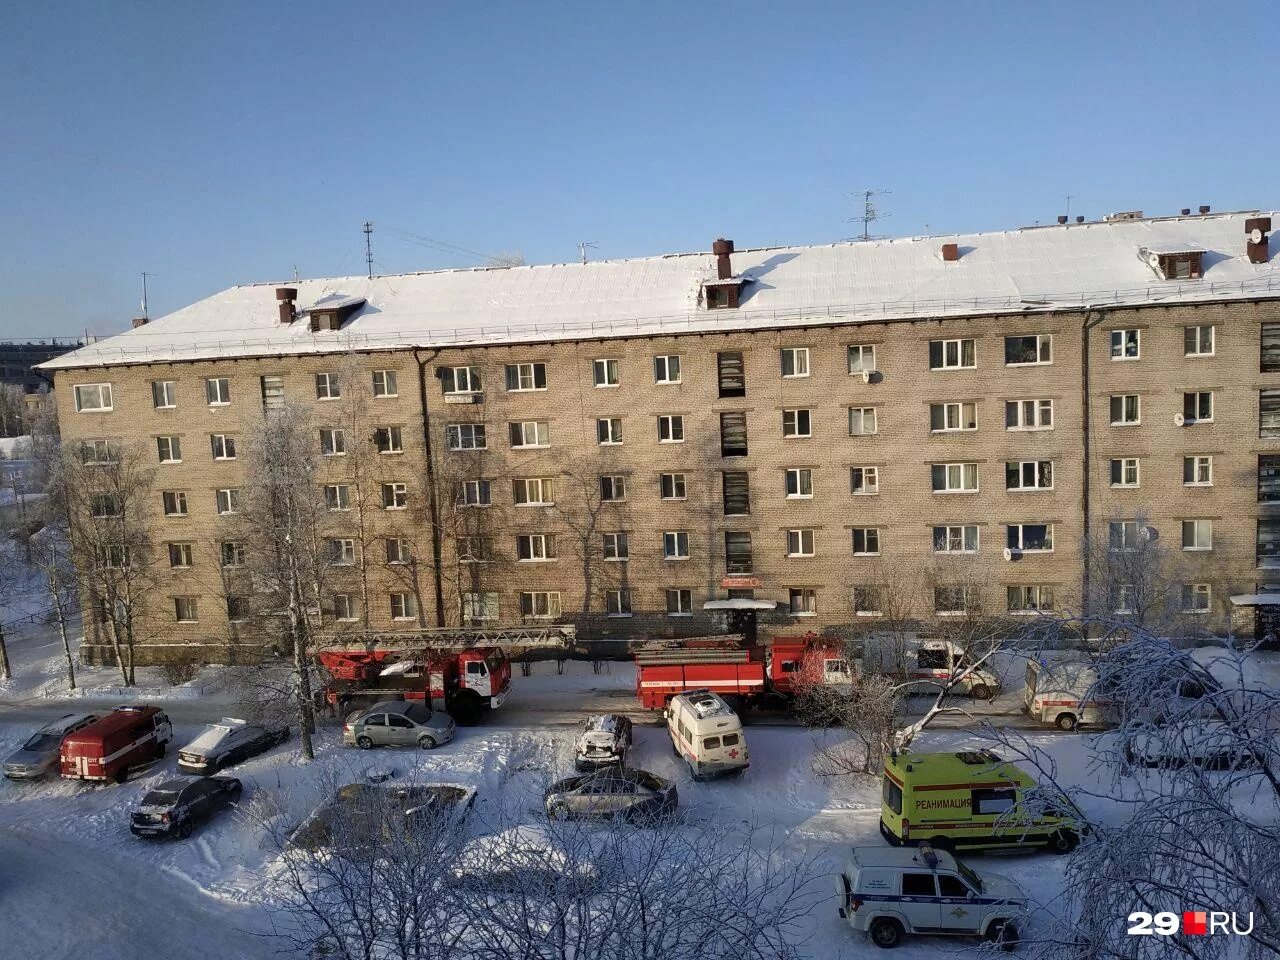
point(763, 676)
point(108, 748)
point(463, 671)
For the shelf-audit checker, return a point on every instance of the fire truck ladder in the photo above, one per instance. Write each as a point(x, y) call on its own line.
point(664, 656)
point(441, 639)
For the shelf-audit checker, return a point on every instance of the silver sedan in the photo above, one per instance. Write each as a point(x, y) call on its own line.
point(39, 754)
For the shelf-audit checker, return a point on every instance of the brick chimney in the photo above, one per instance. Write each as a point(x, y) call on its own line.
point(1204, 208)
point(1256, 230)
point(950, 252)
point(138, 322)
point(286, 297)
point(722, 248)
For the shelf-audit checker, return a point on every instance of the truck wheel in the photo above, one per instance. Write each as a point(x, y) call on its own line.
point(122, 775)
point(184, 830)
point(1067, 721)
point(980, 691)
point(1063, 841)
point(674, 749)
point(885, 932)
point(693, 772)
point(427, 743)
point(160, 748)
point(465, 711)
point(364, 743)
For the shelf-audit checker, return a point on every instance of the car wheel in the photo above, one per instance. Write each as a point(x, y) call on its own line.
point(693, 772)
point(364, 743)
point(558, 811)
point(885, 932)
point(1063, 841)
point(1004, 934)
point(184, 830)
point(980, 691)
point(122, 775)
point(427, 743)
point(674, 749)
point(1067, 721)
point(235, 790)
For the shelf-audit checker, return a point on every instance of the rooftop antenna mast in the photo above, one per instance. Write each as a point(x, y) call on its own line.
point(145, 314)
point(583, 246)
point(870, 212)
point(368, 246)
point(1070, 197)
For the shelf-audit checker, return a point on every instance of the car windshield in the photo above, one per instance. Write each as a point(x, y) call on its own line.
point(160, 798)
point(42, 741)
point(970, 877)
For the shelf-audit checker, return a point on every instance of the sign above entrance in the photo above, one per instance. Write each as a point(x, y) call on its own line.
point(740, 583)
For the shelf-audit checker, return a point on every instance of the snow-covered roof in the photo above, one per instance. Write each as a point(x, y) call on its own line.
point(1026, 270)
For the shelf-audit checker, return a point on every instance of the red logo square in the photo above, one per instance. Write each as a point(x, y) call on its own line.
point(1195, 923)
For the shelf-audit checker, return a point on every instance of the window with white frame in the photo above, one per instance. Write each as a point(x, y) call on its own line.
point(866, 542)
point(1029, 597)
point(342, 551)
point(399, 551)
point(456, 380)
point(799, 483)
point(800, 543)
point(672, 486)
point(1028, 414)
point(333, 442)
point(952, 354)
point(533, 491)
point(666, 369)
point(609, 430)
point(617, 603)
point(675, 545)
point(1125, 472)
point(465, 436)
point(530, 434)
point(475, 549)
point(384, 383)
point(1197, 534)
point(186, 610)
point(862, 421)
point(478, 605)
point(1197, 341)
point(388, 439)
point(613, 488)
point(395, 496)
point(223, 446)
point(605, 373)
point(1124, 535)
point(802, 601)
point(952, 599)
point(164, 394)
point(535, 546)
point(540, 604)
point(175, 503)
point(868, 600)
point(337, 496)
point(795, 361)
point(344, 607)
point(864, 481)
point(169, 449)
point(1196, 597)
point(179, 555)
point(949, 417)
point(327, 387)
point(959, 538)
point(473, 493)
point(93, 397)
point(404, 605)
point(228, 500)
point(1125, 345)
point(1029, 537)
point(954, 477)
point(1197, 471)
point(615, 545)
point(232, 552)
point(1197, 407)
point(1126, 409)
point(217, 391)
point(1028, 475)
point(670, 428)
point(797, 423)
point(862, 358)
point(1122, 597)
point(526, 376)
point(679, 602)
point(1028, 349)
point(96, 453)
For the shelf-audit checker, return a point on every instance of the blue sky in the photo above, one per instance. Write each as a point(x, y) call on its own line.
point(212, 144)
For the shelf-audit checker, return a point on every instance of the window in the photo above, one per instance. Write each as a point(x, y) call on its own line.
point(337, 496)
point(1029, 537)
point(93, 397)
point(918, 885)
point(864, 481)
point(868, 600)
point(799, 484)
point(862, 421)
point(1197, 407)
point(1197, 534)
point(473, 493)
point(675, 545)
point(1122, 597)
point(1197, 471)
point(232, 553)
point(952, 354)
point(164, 394)
point(672, 486)
point(1125, 472)
point(272, 387)
point(533, 491)
point(480, 605)
point(1028, 475)
point(540, 604)
point(530, 434)
point(736, 490)
point(862, 358)
point(796, 423)
point(800, 543)
point(1028, 415)
point(179, 555)
point(737, 552)
point(388, 440)
point(679, 603)
point(465, 436)
point(104, 505)
point(1269, 478)
point(617, 603)
point(615, 546)
point(395, 496)
point(946, 417)
point(344, 607)
point(114, 556)
point(185, 610)
point(228, 500)
point(1269, 359)
point(951, 600)
point(175, 503)
point(666, 369)
point(327, 387)
point(802, 601)
point(342, 551)
point(795, 361)
point(404, 606)
point(223, 446)
point(1197, 341)
point(333, 442)
point(732, 374)
point(956, 539)
point(1124, 345)
point(169, 449)
point(1029, 349)
point(237, 609)
point(399, 550)
point(605, 373)
point(384, 383)
point(526, 376)
point(94, 453)
point(1125, 410)
point(671, 428)
point(475, 549)
point(733, 434)
point(613, 488)
point(1269, 412)
point(1268, 542)
point(866, 542)
point(535, 546)
point(1123, 535)
point(954, 477)
point(217, 391)
point(993, 801)
point(1196, 597)
point(455, 380)
point(609, 430)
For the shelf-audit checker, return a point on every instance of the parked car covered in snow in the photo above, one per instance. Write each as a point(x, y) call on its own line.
point(176, 806)
point(360, 815)
point(228, 742)
point(605, 740)
point(611, 792)
point(398, 723)
point(1209, 744)
point(528, 858)
point(39, 755)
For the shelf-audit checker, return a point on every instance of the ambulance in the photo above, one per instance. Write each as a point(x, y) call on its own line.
point(970, 800)
point(1062, 693)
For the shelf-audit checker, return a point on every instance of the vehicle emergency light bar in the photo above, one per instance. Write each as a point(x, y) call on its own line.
point(447, 638)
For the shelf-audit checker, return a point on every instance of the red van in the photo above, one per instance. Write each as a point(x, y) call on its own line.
point(106, 749)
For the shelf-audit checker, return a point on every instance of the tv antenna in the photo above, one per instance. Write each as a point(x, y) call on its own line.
point(145, 314)
point(1070, 197)
point(583, 246)
point(870, 212)
point(368, 246)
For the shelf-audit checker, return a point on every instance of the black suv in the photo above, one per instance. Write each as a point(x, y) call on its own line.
point(173, 808)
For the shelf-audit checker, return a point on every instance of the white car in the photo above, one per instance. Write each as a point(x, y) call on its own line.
point(889, 892)
point(605, 740)
point(1209, 744)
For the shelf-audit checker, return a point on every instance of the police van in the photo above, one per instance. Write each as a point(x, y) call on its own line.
point(707, 734)
point(889, 893)
point(970, 799)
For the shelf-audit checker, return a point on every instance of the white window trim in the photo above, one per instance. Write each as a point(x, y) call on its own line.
point(977, 544)
point(1036, 550)
point(1111, 343)
point(976, 488)
point(1213, 336)
point(864, 492)
point(610, 442)
point(217, 403)
point(875, 413)
point(666, 357)
point(800, 537)
point(374, 387)
point(959, 366)
point(863, 350)
point(1035, 489)
point(799, 472)
point(796, 353)
point(532, 365)
point(75, 392)
point(865, 553)
point(166, 405)
point(1137, 462)
point(1030, 363)
point(671, 419)
point(796, 411)
point(1193, 548)
point(953, 403)
point(596, 366)
point(535, 445)
point(1195, 470)
point(1125, 423)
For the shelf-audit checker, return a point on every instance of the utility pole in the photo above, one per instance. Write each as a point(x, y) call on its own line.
point(582, 249)
point(368, 246)
point(870, 212)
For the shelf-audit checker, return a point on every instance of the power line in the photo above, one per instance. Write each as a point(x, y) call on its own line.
point(442, 246)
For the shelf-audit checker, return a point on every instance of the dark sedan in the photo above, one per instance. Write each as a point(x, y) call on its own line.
point(226, 743)
point(176, 806)
point(611, 792)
